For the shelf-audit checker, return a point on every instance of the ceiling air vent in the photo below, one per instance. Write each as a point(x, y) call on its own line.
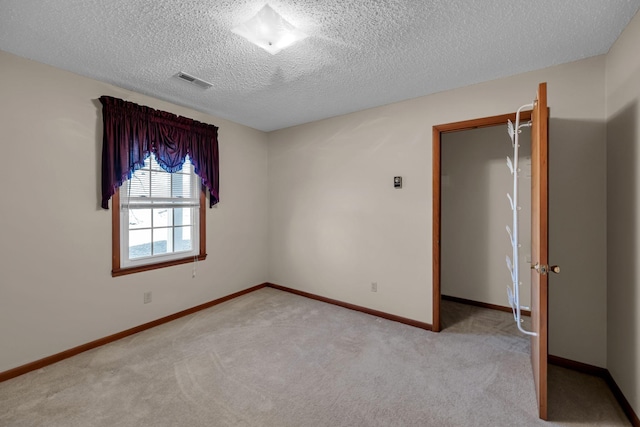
point(193, 80)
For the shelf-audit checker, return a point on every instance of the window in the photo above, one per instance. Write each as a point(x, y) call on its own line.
point(160, 219)
point(156, 167)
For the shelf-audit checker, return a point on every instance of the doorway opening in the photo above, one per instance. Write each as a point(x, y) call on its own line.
point(466, 182)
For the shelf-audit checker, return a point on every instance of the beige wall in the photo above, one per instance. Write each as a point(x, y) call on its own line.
point(337, 224)
point(56, 290)
point(475, 210)
point(623, 215)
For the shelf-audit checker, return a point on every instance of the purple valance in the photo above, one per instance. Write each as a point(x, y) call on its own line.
point(132, 132)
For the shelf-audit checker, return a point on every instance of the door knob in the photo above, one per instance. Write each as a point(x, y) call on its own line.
point(544, 269)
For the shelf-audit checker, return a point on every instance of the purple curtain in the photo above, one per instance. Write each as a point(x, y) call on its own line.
point(132, 132)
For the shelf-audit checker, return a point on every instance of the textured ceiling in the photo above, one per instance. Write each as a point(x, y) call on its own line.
point(359, 54)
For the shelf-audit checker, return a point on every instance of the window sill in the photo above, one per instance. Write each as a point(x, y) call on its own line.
point(155, 266)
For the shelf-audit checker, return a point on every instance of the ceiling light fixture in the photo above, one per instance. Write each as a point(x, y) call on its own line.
point(269, 30)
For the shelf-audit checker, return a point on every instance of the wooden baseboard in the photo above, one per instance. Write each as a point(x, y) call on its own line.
point(483, 304)
point(38, 364)
point(622, 400)
point(605, 375)
point(585, 368)
point(377, 313)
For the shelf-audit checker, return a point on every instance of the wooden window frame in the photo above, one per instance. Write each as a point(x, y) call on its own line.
point(116, 270)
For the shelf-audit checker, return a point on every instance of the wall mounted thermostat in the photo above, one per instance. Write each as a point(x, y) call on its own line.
point(397, 182)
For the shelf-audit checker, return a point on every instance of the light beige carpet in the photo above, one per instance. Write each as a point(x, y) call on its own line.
point(271, 358)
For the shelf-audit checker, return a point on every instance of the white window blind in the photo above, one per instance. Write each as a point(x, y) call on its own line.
point(152, 185)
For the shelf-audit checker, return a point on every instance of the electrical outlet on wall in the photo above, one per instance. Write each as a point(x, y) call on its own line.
point(374, 286)
point(147, 297)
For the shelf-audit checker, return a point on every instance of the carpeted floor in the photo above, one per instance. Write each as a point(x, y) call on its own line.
point(575, 399)
point(270, 358)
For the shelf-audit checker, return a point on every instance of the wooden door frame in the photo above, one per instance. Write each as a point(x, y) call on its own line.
point(438, 130)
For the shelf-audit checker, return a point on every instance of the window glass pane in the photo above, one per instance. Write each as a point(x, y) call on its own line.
point(183, 240)
point(162, 241)
point(162, 217)
point(139, 218)
point(183, 216)
point(139, 243)
point(139, 185)
point(160, 184)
